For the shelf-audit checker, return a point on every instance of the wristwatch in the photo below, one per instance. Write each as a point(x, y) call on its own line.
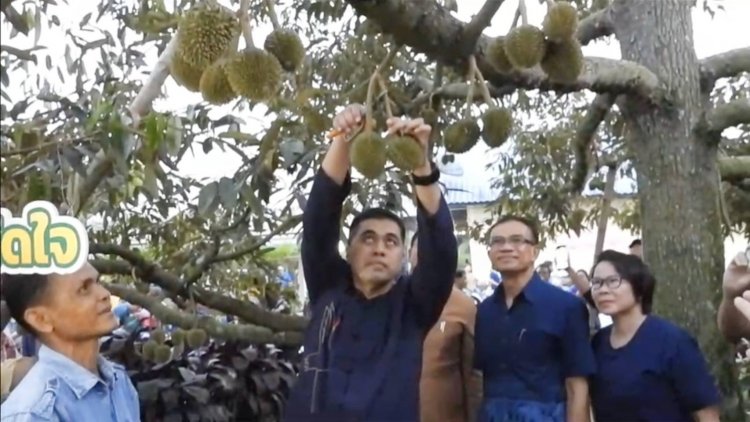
point(433, 177)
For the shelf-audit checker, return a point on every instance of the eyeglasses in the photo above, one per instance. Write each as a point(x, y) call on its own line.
point(612, 282)
point(514, 241)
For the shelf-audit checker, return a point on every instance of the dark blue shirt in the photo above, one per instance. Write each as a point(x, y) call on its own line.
point(659, 376)
point(362, 358)
point(526, 352)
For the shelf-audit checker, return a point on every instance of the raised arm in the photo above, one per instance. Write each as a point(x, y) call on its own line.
point(732, 323)
point(432, 279)
point(322, 264)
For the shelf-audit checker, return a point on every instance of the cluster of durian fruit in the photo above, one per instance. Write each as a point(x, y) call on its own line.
point(554, 48)
point(206, 58)
point(156, 350)
point(370, 152)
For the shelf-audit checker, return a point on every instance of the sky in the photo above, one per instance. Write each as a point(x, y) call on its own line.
point(712, 36)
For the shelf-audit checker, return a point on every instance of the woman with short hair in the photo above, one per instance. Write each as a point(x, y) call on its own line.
point(649, 369)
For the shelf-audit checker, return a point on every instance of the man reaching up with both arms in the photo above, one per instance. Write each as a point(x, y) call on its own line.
point(363, 346)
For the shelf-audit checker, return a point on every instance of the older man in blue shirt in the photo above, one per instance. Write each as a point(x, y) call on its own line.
point(70, 381)
point(532, 338)
point(363, 347)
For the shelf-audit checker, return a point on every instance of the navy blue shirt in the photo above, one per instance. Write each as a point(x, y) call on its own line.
point(363, 358)
point(526, 352)
point(660, 375)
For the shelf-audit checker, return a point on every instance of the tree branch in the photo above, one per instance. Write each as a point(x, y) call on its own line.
point(594, 26)
point(724, 116)
point(150, 90)
point(724, 65)
point(457, 91)
point(285, 226)
point(430, 29)
point(594, 116)
point(478, 23)
point(734, 168)
point(153, 274)
point(246, 332)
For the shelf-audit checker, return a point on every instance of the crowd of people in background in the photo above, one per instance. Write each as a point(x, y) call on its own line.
point(396, 333)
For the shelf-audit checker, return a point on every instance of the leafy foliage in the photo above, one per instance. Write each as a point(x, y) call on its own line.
point(217, 382)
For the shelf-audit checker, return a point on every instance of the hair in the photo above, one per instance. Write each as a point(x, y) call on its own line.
point(22, 291)
point(375, 214)
point(636, 242)
point(528, 222)
point(634, 271)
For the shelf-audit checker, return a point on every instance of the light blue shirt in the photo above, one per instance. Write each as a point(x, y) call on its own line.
point(58, 389)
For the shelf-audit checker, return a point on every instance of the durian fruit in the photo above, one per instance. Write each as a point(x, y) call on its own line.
point(430, 116)
point(368, 154)
point(524, 46)
point(158, 336)
point(162, 353)
point(461, 136)
point(561, 22)
point(148, 350)
point(205, 33)
point(196, 337)
point(286, 46)
point(178, 337)
point(405, 152)
point(185, 74)
point(497, 124)
point(214, 85)
point(497, 57)
point(255, 74)
point(563, 61)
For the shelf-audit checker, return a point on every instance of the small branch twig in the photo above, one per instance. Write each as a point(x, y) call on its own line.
point(480, 79)
point(247, 30)
point(283, 227)
point(524, 13)
point(386, 99)
point(596, 113)
point(272, 15)
point(479, 22)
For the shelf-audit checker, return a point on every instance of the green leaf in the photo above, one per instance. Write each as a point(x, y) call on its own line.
point(207, 145)
point(227, 193)
point(149, 180)
point(208, 198)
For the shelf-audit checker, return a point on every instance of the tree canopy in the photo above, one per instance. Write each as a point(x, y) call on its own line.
point(90, 126)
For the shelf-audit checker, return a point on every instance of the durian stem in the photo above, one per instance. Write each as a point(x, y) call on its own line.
point(247, 30)
point(470, 95)
point(369, 121)
point(516, 17)
point(272, 15)
point(388, 59)
point(480, 79)
point(524, 14)
point(386, 99)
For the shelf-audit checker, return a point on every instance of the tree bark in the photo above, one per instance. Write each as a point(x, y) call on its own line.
point(678, 181)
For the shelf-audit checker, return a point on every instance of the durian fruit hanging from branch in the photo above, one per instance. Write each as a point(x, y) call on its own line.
point(524, 45)
point(368, 151)
point(253, 73)
point(214, 84)
point(207, 32)
point(283, 43)
point(404, 151)
point(459, 137)
point(563, 58)
point(497, 122)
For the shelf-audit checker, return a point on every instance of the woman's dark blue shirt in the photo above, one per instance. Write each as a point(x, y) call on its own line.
point(659, 376)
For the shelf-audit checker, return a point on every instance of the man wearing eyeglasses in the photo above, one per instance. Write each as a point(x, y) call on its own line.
point(532, 338)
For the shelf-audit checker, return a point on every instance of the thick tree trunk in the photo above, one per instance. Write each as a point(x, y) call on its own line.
point(678, 180)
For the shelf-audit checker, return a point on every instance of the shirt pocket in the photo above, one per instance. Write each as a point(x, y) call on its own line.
point(536, 345)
